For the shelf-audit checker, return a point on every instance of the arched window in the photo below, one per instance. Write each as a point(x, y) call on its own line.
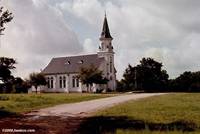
point(73, 81)
point(60, 80)
point(48, 82)
point(64, 82)
point(77, 82)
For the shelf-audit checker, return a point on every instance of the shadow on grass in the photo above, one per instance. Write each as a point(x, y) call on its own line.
point(4, 113)
point(109, 124)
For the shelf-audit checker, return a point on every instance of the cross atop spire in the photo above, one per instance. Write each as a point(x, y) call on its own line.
point(105, 31)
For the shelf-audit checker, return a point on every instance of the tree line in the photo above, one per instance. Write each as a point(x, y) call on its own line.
point(148, 76)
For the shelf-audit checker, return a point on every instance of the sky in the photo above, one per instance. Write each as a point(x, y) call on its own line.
point(166, 30)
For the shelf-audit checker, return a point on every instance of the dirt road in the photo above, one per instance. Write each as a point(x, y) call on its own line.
point(87, 107)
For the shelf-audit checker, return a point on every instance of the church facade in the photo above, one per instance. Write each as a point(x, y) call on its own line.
point(61, 72)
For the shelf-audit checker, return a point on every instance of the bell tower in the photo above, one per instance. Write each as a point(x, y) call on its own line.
point(106, 51)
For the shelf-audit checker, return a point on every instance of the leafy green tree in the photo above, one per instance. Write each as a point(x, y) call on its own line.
point(6, 65)
point(184, 81)
point(195, 86)
point(128, 82)
point(148, 75)
point(122, 86)
point(5, 17)
point(20, 85)
point(187, 81)
point(37, 79)
point(90, 75)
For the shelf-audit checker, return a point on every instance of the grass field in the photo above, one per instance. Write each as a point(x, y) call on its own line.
point(168, 114)
point(17, 103)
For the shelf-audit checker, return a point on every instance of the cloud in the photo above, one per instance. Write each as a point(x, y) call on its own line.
point(37, 33)
point(85, 9)
point(168, 31)
point(89, 46)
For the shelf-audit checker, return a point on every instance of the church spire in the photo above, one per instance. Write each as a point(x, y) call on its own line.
point(105, 31)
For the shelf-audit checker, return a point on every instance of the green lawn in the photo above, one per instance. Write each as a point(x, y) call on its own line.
point(17, 103)
point(172, 114)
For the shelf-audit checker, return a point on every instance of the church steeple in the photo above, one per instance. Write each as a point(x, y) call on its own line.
point(105, 31)
point(107, 52)
point(105, 38)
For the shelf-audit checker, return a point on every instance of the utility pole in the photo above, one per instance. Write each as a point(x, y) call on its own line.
point(135, 73)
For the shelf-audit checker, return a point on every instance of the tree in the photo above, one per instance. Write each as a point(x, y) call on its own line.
point(187, 81)
point(121, 86)
point(5, 17)
point(148, 75)
point(21, 86)
point(6, 65)
point(37, 79)
point(90, 75)
point(184, 81)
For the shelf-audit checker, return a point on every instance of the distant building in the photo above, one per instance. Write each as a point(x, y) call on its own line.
point(61, 72)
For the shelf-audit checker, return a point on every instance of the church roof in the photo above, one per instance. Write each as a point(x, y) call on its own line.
point(72, 64)
point(105, 31)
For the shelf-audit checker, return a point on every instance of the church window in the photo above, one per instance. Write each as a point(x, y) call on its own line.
point(60, 79)
point(73, 82)
point(77, 82)
point(64, 82)
point(48, 82)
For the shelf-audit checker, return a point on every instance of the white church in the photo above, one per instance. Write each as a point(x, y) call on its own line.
point(61, 72)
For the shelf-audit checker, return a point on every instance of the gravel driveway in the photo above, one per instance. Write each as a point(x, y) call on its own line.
point(66, 118)
point(87, 107)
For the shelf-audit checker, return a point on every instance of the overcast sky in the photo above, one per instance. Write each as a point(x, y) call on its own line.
point(167, 30)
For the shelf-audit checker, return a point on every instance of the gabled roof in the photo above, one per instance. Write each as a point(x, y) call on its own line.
point(72, 64)
point(105, 31)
